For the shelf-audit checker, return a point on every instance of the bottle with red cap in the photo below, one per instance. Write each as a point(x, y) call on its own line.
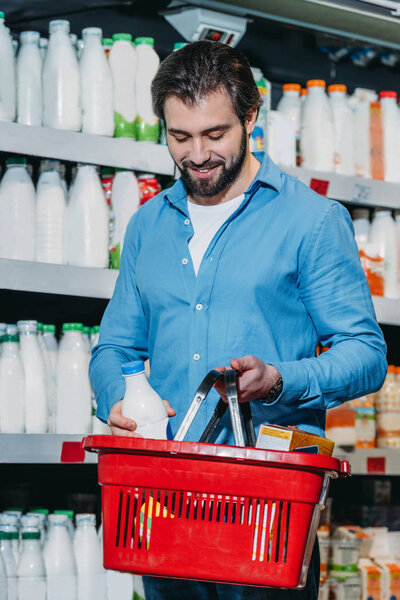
point(317, 134)
point(343, 124)
point(391, 132)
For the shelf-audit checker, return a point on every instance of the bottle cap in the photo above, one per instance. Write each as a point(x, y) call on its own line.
point(16, 160)
point(86, 330)
point(31, 535)
point(179, 45)
point(2, 15)
point(47, 328)
point(361, 213)
point(96, 329)
point(316, 83)
point(391, 369)
point(39, 511)
point(337, 87)
point(107, 41)
point(132, 368)
point(29, 36)
point(59, 25)
point(68, 513)
point(291, 87)
point(89, 518)
point(107, 172)
point(24, 326)
point(92, 32)
point(59, 519)
point(388, 94)
point(40, 326)
point(72, 327)
point(122, 36)
point(303, 92)
point(144, 40)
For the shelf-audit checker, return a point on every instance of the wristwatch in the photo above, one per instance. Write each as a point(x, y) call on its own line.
point(274, 392)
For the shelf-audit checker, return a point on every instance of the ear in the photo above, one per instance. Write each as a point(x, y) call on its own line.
point(251, 119)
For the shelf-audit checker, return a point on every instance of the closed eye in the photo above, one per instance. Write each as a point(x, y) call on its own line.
point(215, 139)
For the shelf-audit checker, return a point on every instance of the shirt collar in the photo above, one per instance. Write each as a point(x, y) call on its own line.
point(268, 174)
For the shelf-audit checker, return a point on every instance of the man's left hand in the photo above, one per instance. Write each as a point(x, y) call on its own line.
point(255, 380)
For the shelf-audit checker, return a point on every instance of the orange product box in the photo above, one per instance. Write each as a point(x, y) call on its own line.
point(292, 439)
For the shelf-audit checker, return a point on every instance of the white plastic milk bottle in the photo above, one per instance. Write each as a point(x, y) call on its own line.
point(73, 396)
point(60, 561)
point(17, 211)
point(122, 59)
point(7, 74)
point(51, 211)
point(29, 79)
point(317, 135)
point(343, 123)
point(10, 523)
point(362, 226)
point(147, 124)
point(61, 81)
point(9, 562)
point(142, 404)
point(125, 202)
point(391, 133)
point(36, 410)
point(91, 576)
point(12, 387)
point(87, 221)
point(96, 85)
point(290, 106)
point(3, 579)
point(383, 236)
point(31, 568)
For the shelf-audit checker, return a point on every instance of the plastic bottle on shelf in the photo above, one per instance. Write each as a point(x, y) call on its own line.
point(51, 347)
point(96, 85)
point(343, 124)
point(317, 133)
point(31, 569)
point(87, 221)
point(29, 79)
point(70, 521)
point(290, 106)
point(122, 59)
point(90, 574)
point(107, 44)
point(36, 410)
point(73, 396)
point(86, 337)
point(41, 514)
point(17, 211)
point(258, 138)
point(60, 561)
point(7, 523)
point(125, 202)
point(12, 387)
point(3, 579)
point(383, 236)
point(391, 133)
point(50, 217)
point(147, 124)
point(142, 404)
point(387, 403)
point(9, 563)
point(362, 226)
point(60, 81)
point(8, 76)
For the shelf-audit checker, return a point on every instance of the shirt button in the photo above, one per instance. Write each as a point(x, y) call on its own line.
point(196, 356)
point(185, 261)
point(199, 307)
point(186, 221)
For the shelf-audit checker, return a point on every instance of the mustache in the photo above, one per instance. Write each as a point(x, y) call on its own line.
point(208, 165)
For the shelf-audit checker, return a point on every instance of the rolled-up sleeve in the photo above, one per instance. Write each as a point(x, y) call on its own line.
point(335, 292)
point(123, 332)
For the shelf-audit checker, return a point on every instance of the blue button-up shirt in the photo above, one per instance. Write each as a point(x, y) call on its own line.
point(280, 275)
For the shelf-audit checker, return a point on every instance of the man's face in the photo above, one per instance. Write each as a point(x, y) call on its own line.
point(207, 142)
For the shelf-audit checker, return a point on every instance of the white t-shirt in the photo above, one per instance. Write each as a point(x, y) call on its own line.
point(206, 221)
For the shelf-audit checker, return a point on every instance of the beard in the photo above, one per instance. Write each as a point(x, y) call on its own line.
point(208, 189)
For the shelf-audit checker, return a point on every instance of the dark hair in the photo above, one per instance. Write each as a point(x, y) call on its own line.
point(203, 67)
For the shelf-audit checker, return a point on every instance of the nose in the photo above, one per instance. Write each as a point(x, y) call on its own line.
point(199, 153)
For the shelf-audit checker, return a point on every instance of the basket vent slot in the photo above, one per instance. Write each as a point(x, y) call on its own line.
point(270, 521)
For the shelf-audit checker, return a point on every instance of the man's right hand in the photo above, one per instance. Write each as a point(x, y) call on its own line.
point(121, 425)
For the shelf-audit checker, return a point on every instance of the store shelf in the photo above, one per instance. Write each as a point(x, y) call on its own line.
point(353, 190)
point(387, 310)
point(43, 448)
point(84, 148)
point(56, 279)
point(374, 461)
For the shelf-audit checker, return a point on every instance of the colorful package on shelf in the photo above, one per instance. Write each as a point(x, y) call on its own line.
point(374, 267)
point(354, 532)
point(390, 578)
point(341, 424)
point(290, 439)
point(372, 580)
point(149, 186)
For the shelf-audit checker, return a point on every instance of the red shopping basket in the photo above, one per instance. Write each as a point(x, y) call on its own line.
point(210, 512)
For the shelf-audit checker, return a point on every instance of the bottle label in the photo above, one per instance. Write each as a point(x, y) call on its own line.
point(124, 128)
point(115, 256)
point(146, 132)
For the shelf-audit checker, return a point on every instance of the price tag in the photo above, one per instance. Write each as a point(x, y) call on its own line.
point(72, 452)
point(320, 186)
point(361, 194)
point(376, 464)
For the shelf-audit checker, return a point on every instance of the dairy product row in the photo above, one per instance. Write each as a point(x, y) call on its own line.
point(379, 247)
point(81, 226)
point(371, 421)
point(359, 564)
point(44, 386)
point(98, 88)
point(349, 135)
point(45, 557)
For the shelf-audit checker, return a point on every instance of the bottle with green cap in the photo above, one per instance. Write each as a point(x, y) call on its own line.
point(12, 386)
point(86, 337)
point(147, 124)
point(122, 59)
point(31, 568)
point(7, 79)
point(73, 396)
point(8, 560)
point(60, 561)
point(17, 211)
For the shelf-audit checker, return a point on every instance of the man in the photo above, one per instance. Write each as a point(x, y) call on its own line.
point(237, 264)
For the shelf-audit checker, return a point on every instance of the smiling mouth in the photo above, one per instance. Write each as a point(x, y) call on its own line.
point(205, 172)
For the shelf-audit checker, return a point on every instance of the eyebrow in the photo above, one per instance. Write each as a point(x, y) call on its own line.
point(222, 127)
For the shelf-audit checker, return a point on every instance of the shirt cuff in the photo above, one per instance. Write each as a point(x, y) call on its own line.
point(292, 375)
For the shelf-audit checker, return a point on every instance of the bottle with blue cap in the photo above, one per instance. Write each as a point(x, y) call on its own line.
point(142, 404)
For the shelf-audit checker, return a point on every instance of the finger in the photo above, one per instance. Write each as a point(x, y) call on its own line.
point(171, 412)
point(221, 369)
point(116, 418)
point(243, 364)
point(124, 432)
